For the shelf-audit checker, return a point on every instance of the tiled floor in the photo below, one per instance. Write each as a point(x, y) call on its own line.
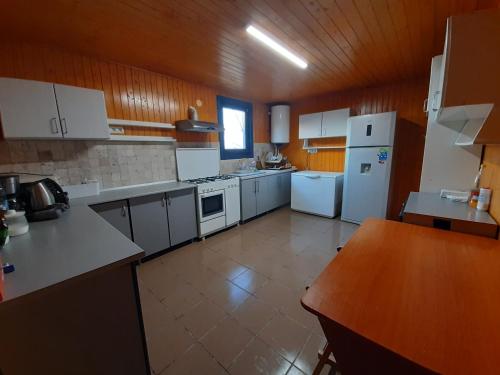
point(231, 304)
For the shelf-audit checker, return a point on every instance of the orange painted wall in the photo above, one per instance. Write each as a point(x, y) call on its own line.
point(406, 98)
point(130, 93)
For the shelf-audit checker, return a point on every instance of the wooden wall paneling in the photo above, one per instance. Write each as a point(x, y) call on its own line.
point(130, 93)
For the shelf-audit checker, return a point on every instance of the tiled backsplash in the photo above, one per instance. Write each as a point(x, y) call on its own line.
point(112, 164)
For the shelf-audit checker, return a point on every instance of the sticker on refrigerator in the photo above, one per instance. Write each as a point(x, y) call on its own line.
point(382, 155)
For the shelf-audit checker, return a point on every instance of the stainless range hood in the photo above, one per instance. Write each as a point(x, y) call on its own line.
point(198, 126)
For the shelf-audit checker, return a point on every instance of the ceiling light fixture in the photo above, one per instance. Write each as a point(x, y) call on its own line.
point(268, 41)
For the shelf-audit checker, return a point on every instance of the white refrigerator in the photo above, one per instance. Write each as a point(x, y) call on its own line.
point(370, 141)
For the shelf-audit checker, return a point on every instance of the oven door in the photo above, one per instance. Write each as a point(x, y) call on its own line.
point(211, 205)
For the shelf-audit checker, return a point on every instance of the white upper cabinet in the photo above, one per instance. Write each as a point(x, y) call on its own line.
point(468, 98)
point(324, 124)
point(82, 112)
point(40, 110)
point(334, 123)
point(310, 125)
point(28, 109)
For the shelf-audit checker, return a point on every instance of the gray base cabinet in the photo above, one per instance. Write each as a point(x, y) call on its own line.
point(150, 223)
point(117, 214)
point(264, 190)
point(263, 194)
point(157, 221)
point(248, 189)
point(181, 216)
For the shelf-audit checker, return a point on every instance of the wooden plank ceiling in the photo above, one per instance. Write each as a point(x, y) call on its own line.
point(347, 43)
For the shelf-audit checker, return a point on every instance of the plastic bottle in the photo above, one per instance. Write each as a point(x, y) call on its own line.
point(474, 193)
point(483, 201)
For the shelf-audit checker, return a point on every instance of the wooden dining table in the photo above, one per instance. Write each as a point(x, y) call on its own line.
point(406, 299)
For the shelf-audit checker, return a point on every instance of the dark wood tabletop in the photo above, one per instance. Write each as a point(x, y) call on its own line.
point(421, 295)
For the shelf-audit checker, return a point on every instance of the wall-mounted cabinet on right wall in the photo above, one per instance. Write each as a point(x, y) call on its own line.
point(467, 96)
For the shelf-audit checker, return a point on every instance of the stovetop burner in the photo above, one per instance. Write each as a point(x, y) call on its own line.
point(204, 180)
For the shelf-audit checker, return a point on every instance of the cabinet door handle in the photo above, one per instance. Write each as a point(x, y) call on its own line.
point(124, 211)
point(426, 105)
point(53, 126)
point(65, 126)
point(169, 201)
point(434, 99)
point(258, 186)
point(163, 201)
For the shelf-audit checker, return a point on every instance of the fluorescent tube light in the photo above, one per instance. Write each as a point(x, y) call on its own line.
point(276, 46)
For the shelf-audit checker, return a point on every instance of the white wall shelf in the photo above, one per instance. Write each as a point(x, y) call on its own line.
point(307, 147)
point(147, 124)
point(140, 138)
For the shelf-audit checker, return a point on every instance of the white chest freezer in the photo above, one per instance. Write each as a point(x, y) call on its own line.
point(318, 193)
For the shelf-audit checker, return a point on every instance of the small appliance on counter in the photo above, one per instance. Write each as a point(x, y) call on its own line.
point(10, 185)
point(43, 199)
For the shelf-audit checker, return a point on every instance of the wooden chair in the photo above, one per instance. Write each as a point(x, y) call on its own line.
point(324, 355)
point(323, 359)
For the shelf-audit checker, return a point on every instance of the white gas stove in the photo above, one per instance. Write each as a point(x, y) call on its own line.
point(218, 197)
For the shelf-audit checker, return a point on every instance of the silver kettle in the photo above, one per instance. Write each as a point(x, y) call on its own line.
point(40, 196)
point(43, 200)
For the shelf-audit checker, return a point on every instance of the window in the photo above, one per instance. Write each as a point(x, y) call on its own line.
point(236, 141)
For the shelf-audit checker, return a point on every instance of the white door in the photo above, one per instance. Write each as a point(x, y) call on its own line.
point(82, 112)
point(371, 130)
point(313, 193)
point(334, 123)
point(28, 109)
point(233, 204)
point(366, 183)
point(310, 125)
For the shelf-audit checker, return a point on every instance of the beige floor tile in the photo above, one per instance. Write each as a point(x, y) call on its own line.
point(202, 317)
point(250, 280)
point(254, 314)
point(259, 358)
point(182, 299)
point(308, 357)
point(227, 295)
point(204, 279)
point(195, 361)
point(167, 344)
point(284, 335)
point(277, 295)
point(226, 341)
point(295, 371)
point(228, 268)
point(154, 313)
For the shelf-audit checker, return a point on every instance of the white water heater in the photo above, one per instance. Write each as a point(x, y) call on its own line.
point(280, 124)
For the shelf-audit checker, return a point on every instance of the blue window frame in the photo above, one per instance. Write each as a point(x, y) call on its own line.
point(236, 141)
